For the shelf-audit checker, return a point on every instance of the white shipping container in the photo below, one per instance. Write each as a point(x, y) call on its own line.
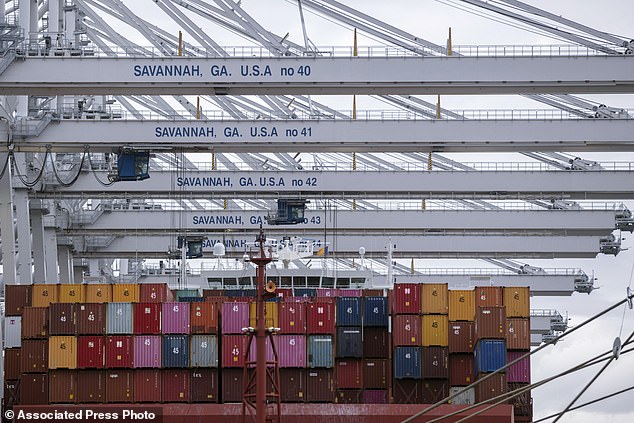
point(466, 398)
point(12, 332)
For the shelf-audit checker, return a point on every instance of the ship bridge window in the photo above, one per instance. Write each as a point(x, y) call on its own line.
point(299, 281)
point(245, 281)
point(229, 281)
point(286, 281)
point(327, 282)
point(357, 282)
point(313, 281)
point(343, 282)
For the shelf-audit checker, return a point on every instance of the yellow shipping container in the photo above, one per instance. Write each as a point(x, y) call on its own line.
point(44, 294)
point(435, 327)
point(125, 293)
point(62, 352)
point(99, 293)
point(72, 293)
point(461, 305)
point(435, 298)
point(517, 301)
point(271, 311)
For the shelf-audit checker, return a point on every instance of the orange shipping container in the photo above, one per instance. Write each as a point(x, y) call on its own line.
point(44, 294)
point(125, 293)
point(489, 296)
point(518, 334)
point(435, 298)
point(435, 330)
point(62, 352)
point(517, 301)
point(462, 305)
point(203, 317)
point(99, 293)
point(271, 315)
point(72, 293)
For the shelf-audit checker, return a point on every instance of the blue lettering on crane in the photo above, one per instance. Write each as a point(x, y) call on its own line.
point(184, 132)
point(167, 70)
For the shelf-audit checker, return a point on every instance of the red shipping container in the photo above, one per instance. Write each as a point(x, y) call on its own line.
point(407, 391)
point(434, 391)
point(373, 293)
point(155, 293)
point(320, 317)
point(292, 385)
point(232, 385)
point(328, 292)
point(320, 385)
point(349, 374)
point(210, 294)
point(147, 318)
point(291, 350)
point(90, 352)
point(374, 396)
point(233, 349)
point(407, 298)
point(34, 389)
point(119, 386)
point(119, 351)
point(490, 322)
point(204, 385)
point(489, 296)
point(461, 369)
point(11, 394)
point(91, 319)
point(292, 318)
point(407, 330)
point(376, 374)
point(62, 386)
point(435, 364)
point(349, 396)
point(175, 385)
point(204, 317)
point(461, 337)
point(12, 362)
point(91, 386)
point(147, 385)
point(16, 298)
point(490, 388)
point(34, 322)
point(520, 371)
point(376, 342)
point(518, 334)
point(61, 320)
point(345, 292)
point(34, 356)
point(235, 316)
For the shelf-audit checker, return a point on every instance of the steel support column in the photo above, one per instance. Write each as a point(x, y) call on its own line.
point(6, 224)
point(50, 254)
point(39, 256)
point(23, 225)
point(65, 260)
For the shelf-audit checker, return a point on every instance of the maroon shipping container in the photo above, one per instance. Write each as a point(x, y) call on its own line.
point(461, 337)
point(210, 294)
point(62, 386)
point(522, 404)
point(147, 318)
point(320, 385)
point(16, 297)
point(204, 385)
point(519, 372)
point(147, 385)
point(12, 363)
point(349, 374)
point(375, 396)
point(320, 317)
point(90, 352)
point(349, 396)
point(232, 385)
point(34, 389)
point(91, 318)
point(376, 374)
point(119, 351)
point(293, 385)
point(176, 385)
point(489, 296)
point(376, 343)
point(292, 318)
point(61, 319)
point(119, 386)
point(233, 349)
point(407, 330)
point(435, 364)
point(518, 334)
point(204, 317)
point(461, 369)
point(155, 293)
point(407, 391)
point(327, 292)
point(490, 388)
point(434, 391)
point(373, 293)
point(91, 386)
point(34, 356)
point(407, 298)
point(11, 394)
point(490, 322)
point(34, 322)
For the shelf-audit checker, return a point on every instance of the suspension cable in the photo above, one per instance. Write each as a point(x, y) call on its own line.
point(74, 179)
point(28, 184)
point(94, 172)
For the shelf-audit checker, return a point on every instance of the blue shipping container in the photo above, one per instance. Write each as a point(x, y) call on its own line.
point(320, 351)
point(349, 342)
point(408, 363)
point(375, 312)
point(489, 355)
point(348, 311)
point(175, 351)
point(305, 292)
point(119, 319)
